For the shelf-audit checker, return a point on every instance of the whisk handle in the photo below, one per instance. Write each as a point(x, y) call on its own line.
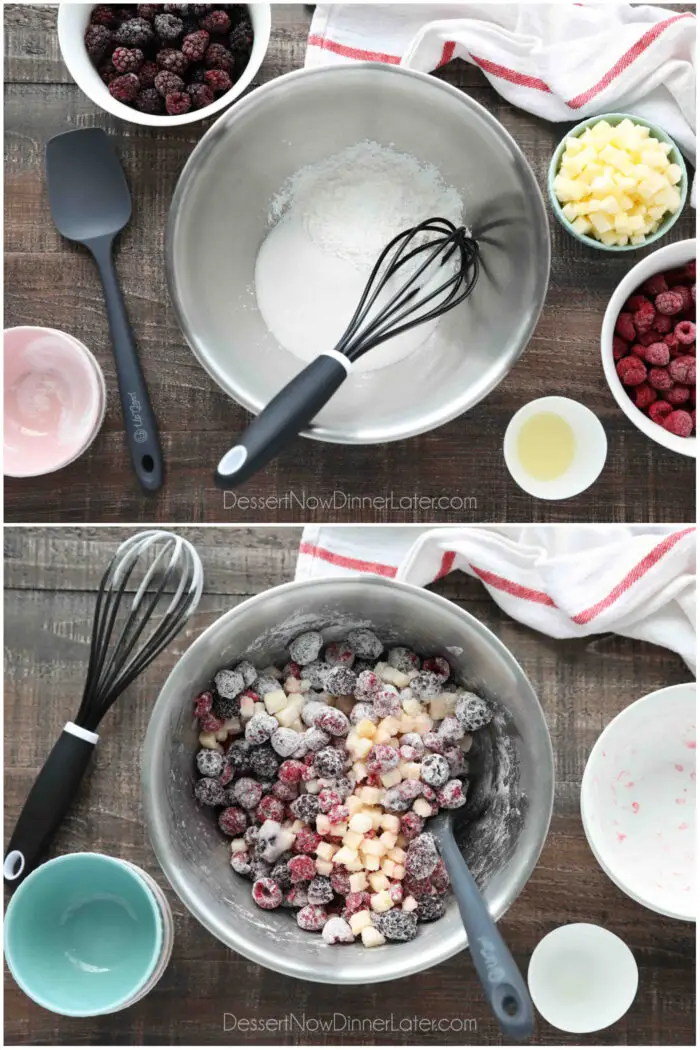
point(281, 420)
point(48, 802)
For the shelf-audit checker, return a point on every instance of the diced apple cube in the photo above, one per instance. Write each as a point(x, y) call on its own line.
point(410, 770)
point(381, 900)
point(360, 821)
point(422, 807)
point(373, 848)
point(389, 839)
point(323, 867)
point(372, 938)
point(358, 882)
point(366, 728)
point(239, 846)
point(352, 839)
point(390, 822)
point(399, 872)
point(292, 685)
point(411, 706)
point(388, 867)
point(370, 863)
point(360, 920)
point(409, 904)
point(397, 854)
point(392, 778)
point(323, 824)
point(326, 850)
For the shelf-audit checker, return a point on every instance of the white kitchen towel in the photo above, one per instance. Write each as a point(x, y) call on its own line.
point(561, 61)
point(565, 581)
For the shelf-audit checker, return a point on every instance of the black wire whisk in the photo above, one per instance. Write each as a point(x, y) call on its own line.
point(423, 273)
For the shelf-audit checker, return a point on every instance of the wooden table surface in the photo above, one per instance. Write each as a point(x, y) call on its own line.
point(51, 576)
point(51, 282)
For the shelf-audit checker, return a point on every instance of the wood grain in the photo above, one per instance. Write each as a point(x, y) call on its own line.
point(48, 281)
point(50, 579)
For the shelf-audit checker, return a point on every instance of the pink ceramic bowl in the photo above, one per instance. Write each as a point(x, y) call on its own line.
point(54, 400)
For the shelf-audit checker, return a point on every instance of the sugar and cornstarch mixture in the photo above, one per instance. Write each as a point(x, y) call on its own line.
point(329, 224)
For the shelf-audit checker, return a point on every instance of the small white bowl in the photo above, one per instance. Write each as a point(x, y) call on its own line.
point(669, 257)
point(589, 457)
point(638, 801)
point(73, 20)
point(582, 978)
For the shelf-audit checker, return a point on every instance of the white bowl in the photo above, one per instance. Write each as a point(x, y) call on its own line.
point(666, 258)
point(582, 978)
point(73, 20)
point(638, 801)
point(590, 451)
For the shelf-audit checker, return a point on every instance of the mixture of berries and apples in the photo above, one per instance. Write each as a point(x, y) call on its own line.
point(167, 59)
point(325, 772)
point(654, 347)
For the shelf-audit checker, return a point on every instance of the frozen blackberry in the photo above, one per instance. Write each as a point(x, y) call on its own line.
point(430, 907)
point(310, 711)
point(316, 673)
point(97, 39)
point(147, 11)
point(285, 741)
point(127, 60)
point(315, 739)
point(227, 683)
point(219, 57)
point(365, 643)
point(403, 659)
point(172, 60)
point(396, 925)
point(196, 74)
point(261, 868)
point(107, 72)
point(147, 74)
point(450, 730)
point(241, 37)
point(223, 707)
point(124, 88)
point(238, 757)
point(387, 702)
point(421, 856)
point(341, 680)
point(473, 712)
point(177, 9)
point(367, 686)
point(137, 32)
point(247, 792)
point(330, 762)
point(264, 762)
point(306, 808)
point(332, 721)
point(361, 665)
point(339, 653)
point(216, 22)
point(245, 668)
point(280, 874)
point(304, 649)
point(261, 726)
point(426, 685)
point(104, 15)
point(210, 763)
point(209, 792)
point(265, 683)
point(201, 95)
point(168, 27)
point(320, 890)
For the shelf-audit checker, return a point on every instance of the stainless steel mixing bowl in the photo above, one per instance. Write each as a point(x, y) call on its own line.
point(512, 772)
point(219, 218)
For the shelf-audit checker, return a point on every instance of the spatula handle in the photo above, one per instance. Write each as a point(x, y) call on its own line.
point(139, 420)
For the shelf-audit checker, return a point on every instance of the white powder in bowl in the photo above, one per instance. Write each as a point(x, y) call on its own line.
point(331, 221)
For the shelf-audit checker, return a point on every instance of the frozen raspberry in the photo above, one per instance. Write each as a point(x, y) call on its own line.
point(320, 890)
point(678, 394)
point(662, 324)
point(305, 808)
point(291, 771)
point(403, 659)
point(316, 673)
point(367, 686)
point(421, 856)
point(226, 775)
point(306, 647)
point(624, 327)
point(233, 821)
point(692, 293)
point(328, 798)
point(473, 712)
point(427, 685)
point(172, 60)
point(267, 894)
point(415, 887)
point(127, 61)
point(247, 792)
point(408, 754)
point(644, 316)
point(655, 285)
point(309, 768)
point(639, 349)
point(296, 897)
point(685, 332)
point(450, 730)
point(237, 757)
point(355, 902)
point(365, 643)
point(344, 786)
point(396, 893)
point(212, 723)
point(241, 864)
point(339, 653)
point(361, 711)
point(435, 770)
point(430, 907)
point(310, 710)
point(136, 32)
point(619, 348)
point(690, 269)
point(397, 925)
point(671, 341)
point(332, 721)
point(177, 103)
point(329, 762)
point(451, 796)
point(291, 670)
point(669, 302)
point(429, 793)
point(647, 338)
point(635, 302)
point(411, 825)
point(241, 37)
point(302, 868)
point(210, 763)
point(382, 759)
point(657, 354)
point(337, 931)
point(414, 740)
point(97, 39)
point(659, 411)
point(439, 666)
point(340, 881)
point(285, 741)
point(270, 808)
point(685, 295)
point(679, 423)
point(455, 757)
point(435, 743)
point(284, 792)
point(209, 792)
point(341, 681)
point(312, 918)
point(660, 379)
point(124, 88)
point(260, 728)
point(631, 370)
point(440, 879)
point(387, 702)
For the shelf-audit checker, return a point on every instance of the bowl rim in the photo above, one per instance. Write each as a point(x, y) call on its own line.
point(586, 804)
point(616, 118)
point(261, 16)
point(208, 143)
point(631, 280)
point(156, 954)
point(152, 759)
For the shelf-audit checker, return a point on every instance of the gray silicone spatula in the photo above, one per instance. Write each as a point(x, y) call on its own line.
point(91, 204)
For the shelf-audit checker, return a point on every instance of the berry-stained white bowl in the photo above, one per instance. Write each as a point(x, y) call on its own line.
point(638, 801)
point(73, 20)
point(669, 257)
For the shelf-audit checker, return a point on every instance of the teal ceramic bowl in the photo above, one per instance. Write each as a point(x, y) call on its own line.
point(83, 935)
point(656, 132)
